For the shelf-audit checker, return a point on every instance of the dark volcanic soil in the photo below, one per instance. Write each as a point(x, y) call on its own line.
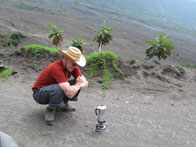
point(153, 106)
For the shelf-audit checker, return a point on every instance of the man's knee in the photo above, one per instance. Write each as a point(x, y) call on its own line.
point(45, 94)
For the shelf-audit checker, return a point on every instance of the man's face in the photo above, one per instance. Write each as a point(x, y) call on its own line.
point(70, 65)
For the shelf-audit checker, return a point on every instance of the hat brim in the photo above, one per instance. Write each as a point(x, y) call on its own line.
point(81, 62)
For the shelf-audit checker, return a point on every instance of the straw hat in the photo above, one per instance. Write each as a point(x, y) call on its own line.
point(75, 55)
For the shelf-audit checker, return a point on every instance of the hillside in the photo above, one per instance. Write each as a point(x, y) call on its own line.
point(177, 15)
point(174, 14)
point(79, 20)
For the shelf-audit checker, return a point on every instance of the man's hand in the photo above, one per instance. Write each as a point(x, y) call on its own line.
point(79, 80)
point(82, 82)
point(71, 90)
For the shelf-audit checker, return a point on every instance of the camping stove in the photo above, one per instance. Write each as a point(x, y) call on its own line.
point(101, 123)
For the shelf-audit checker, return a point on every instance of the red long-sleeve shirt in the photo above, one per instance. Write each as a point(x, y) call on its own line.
point(55, 73)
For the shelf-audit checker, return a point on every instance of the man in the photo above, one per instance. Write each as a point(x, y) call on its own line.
point(54, 87)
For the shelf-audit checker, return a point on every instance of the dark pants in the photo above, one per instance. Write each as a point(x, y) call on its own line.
point(53, 95)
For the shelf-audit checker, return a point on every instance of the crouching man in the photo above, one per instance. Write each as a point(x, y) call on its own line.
point(54, 86)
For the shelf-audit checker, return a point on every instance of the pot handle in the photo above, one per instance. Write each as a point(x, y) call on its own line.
point(96, 111)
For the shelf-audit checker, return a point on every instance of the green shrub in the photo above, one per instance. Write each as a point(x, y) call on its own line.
point(5, 74)
point(39, 49)
point(11, 39)
point(103, 63)
point(79, 43)
point(160, 47)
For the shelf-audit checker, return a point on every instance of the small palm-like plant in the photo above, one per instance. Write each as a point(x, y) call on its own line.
point(79, 43)
point(103, 36)
point(161, 47)
point(56, 34)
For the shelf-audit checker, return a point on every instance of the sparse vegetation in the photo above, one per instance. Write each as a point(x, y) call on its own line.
point(103, 36)
point(188, 64)
point(11, 39)
point(4, 74)
point(26, 6)
point(37, 50)
point(79, 43)
point(138, 61)
point(56, 34)
point(103, 63)
point(161, 47)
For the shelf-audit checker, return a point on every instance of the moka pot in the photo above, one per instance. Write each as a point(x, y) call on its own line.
point(101, 123)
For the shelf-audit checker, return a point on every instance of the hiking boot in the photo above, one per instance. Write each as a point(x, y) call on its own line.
point(49, 115)
point(67, 108)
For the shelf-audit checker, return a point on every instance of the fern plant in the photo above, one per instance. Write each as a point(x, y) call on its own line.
point(161, 47)
point(104, 63)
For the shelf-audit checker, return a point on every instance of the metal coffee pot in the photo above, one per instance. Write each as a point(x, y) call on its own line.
point(101, 123)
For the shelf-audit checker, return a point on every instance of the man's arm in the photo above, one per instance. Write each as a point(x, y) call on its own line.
point(71, 90)
point(82, 82)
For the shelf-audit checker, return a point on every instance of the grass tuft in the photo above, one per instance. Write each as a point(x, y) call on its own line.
point(5, 74)
point(37, 50)
point(188, 64)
